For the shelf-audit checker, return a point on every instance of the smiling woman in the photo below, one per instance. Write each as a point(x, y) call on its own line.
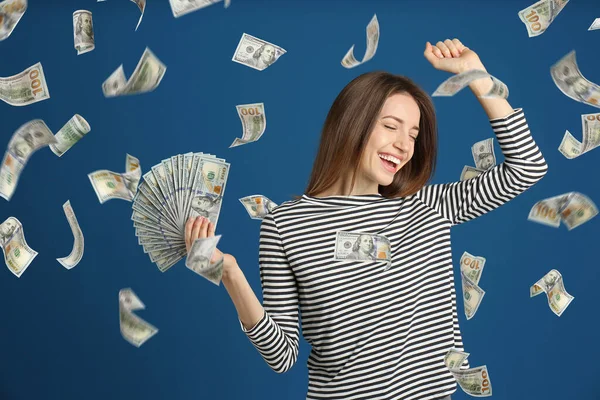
point(378, 116)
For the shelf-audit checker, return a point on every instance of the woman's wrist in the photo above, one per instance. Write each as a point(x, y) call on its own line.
point(480, 86)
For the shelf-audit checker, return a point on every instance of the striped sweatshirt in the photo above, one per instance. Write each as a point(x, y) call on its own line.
point(378, 333)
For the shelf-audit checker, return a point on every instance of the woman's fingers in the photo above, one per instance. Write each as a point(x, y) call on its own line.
point(188, 232)
point(459, 45)
point(428, 53)
point(204, 228)
point(444, 49)
point(453, 50)
point(195, 230)
point(211, 229)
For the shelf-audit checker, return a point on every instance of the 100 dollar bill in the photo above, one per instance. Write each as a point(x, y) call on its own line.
point(25, 88)
point(362, 246)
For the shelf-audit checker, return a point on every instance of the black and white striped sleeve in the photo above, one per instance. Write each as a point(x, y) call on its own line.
point(276, 335)
point(524, 165)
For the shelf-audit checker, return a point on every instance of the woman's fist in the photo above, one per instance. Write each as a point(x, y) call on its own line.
point(452, 56)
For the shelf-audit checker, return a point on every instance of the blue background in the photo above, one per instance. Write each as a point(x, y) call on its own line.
point(59, 335)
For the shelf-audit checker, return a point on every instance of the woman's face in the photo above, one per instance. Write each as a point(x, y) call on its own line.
point(395, 133)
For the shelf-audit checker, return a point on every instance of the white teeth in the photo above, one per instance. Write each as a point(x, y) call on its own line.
point(390, 158)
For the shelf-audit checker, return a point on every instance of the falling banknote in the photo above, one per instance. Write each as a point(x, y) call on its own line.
point(469, 172)
point(11, 12)
point(83, 31)
point(112, 185)
point(473, 381)
point(349, 61)
point(202, 261)
point(538, 17)
point(25, 88)
point(134, 329)
point(362, 246)
point(572, 208)
point(182, 7)
point(25, 141)
point(573, 148)
point(73, 259)
point(484, 157)
point(456, 83)
point(569, 79)
point(17, 253)
point(471, 268)
point(254, 123)
point(256, 53)
point(552, 284)
point(76, 128)
point(257, 205)
point(145, 78)
point(595, 25)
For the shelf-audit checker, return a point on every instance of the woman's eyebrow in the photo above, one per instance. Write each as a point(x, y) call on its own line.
point(400, 121)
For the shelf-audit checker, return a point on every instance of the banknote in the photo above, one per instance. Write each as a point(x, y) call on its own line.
point(362, 246)
point(569, 79)
point(483, 154)
point(538, 17)
point(11, 12)
point(473, 381)
point(142, 6)
point(256, 53)
point(552, 284)
point(134, 329)
point(25, 88)
point(457, 82)
point(469, 172)
point(201, 259)
point(112, 185)
point(572, 208)
point(76, 128)
point(472, 296)
point(254, 123)
point(472, 266)
point(257, 205)
point(83, 31)
point(590, 126)
point(349, 61)
point(145, 78)
point(595, 25)
point(207, 194)
point(73, 259)
point(24, 142)
point(455, 358)
point(182, 7)
point(17, 253)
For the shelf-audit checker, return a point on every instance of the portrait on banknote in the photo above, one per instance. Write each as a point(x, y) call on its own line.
point(7, 228)
point(84, 32)
point(363, 249)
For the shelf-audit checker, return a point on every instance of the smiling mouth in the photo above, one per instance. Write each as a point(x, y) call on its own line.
point(389, 165)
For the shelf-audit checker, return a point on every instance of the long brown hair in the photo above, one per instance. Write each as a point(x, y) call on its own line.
point(349, 124)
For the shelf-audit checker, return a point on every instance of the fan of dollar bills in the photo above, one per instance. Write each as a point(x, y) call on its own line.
point(183, 186)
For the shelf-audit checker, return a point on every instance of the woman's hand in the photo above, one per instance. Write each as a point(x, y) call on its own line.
point(200, 227)
point(452, 56)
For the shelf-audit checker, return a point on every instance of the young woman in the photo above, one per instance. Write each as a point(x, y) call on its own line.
point(376, 332)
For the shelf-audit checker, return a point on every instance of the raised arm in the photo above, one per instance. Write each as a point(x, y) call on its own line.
point(524, 163)
point(274, 332)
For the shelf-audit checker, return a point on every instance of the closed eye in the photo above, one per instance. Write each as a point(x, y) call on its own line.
point(390, 127)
